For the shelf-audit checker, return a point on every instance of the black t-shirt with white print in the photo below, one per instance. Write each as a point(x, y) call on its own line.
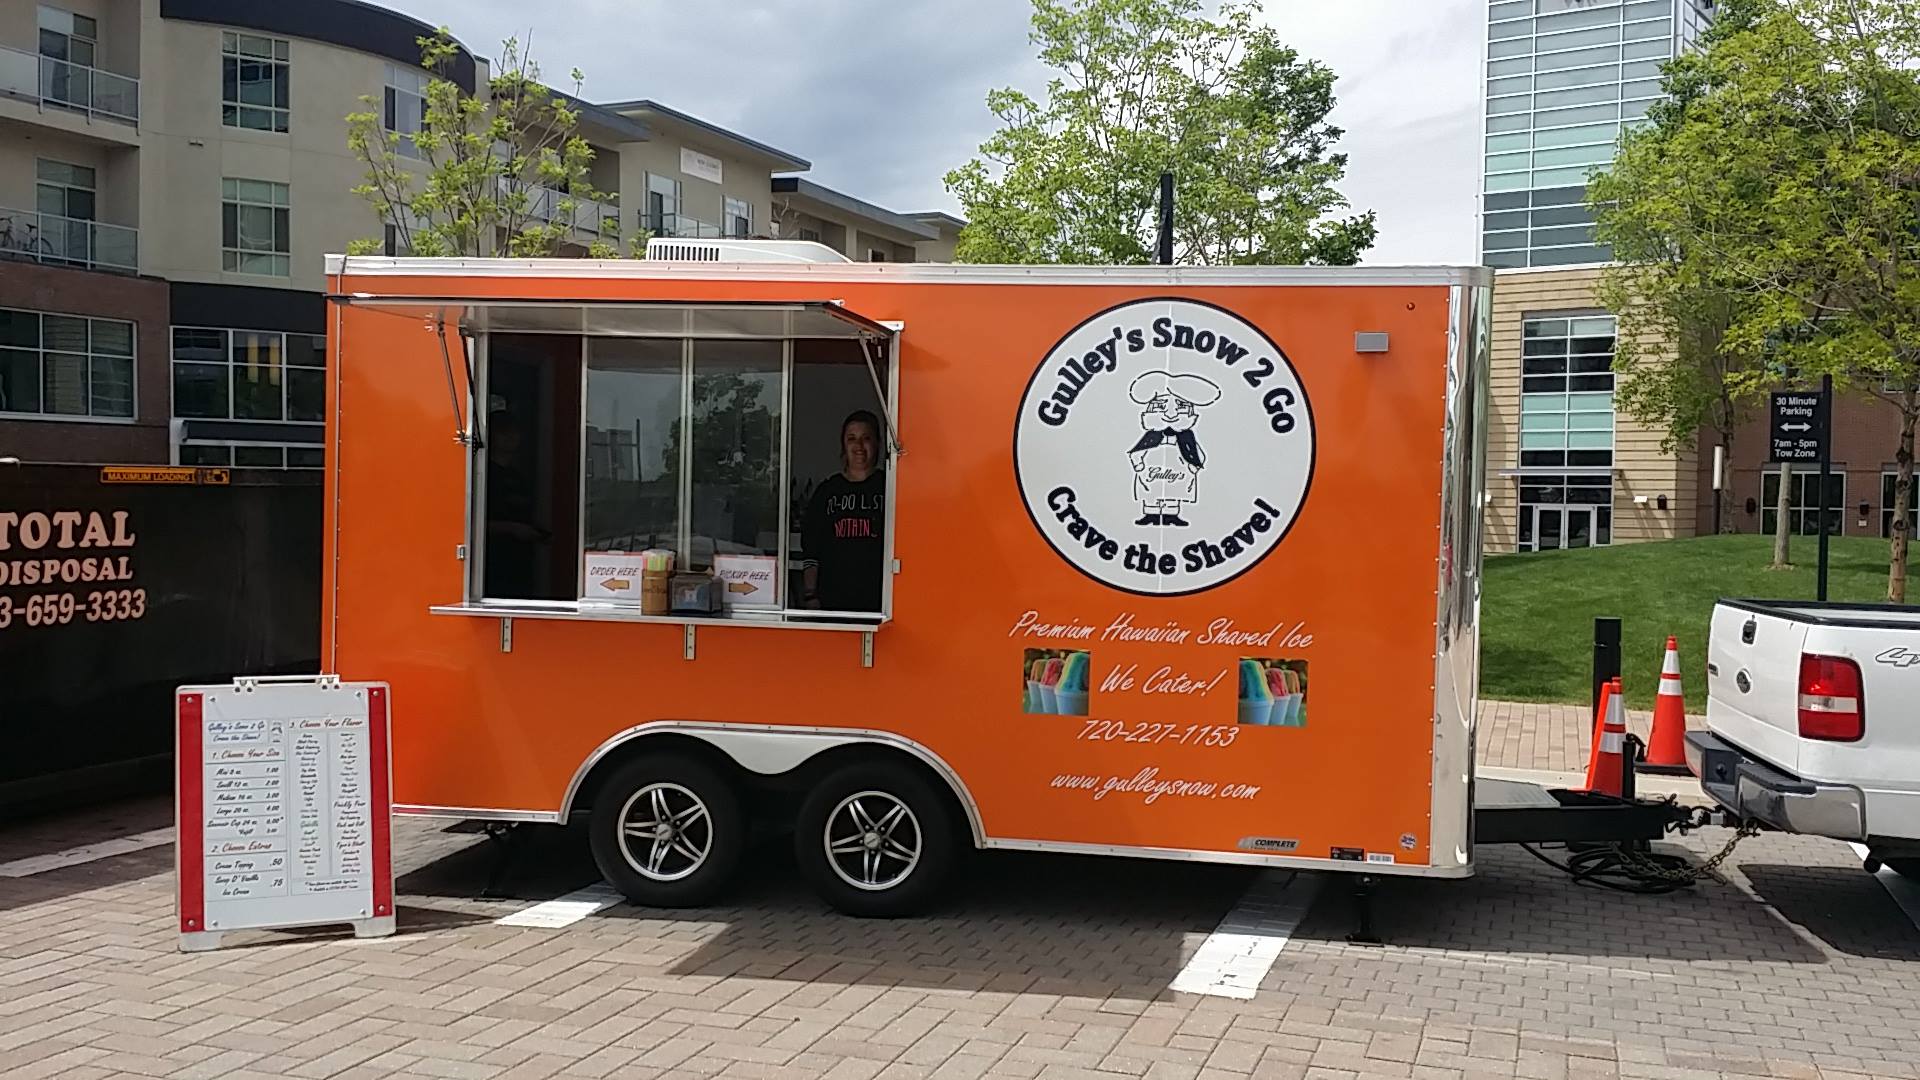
point(845, 536)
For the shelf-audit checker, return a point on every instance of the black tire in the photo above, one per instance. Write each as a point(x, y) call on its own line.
point(1906, 866)
point(649, 871)
point(900, 886)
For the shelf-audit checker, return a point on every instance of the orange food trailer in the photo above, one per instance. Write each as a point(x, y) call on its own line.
point(1178, 563)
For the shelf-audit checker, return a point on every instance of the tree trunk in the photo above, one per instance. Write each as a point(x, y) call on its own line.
point(1724, 497)
point(1902, 500)
point(1782, 519)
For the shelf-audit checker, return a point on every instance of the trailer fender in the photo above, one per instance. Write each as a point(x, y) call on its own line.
point(773, 749)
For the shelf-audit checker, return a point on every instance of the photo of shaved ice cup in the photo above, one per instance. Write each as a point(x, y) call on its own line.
point(1256, 695)
point(1273, 692)
point(1070, 696)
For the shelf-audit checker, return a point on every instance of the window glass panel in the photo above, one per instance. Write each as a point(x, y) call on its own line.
point(1577, 39)
point(306, 394)
point(1645, 88)
point(1573, 20)
point(1573, 155)
point(19, 381)
point(1506, 162)
point(64, 332)
point(735, 441)
point(1515, 47)
point(532, 483)
point(1508, 182)
point(1500, 105)
point(1579, 95)
point(1505, 241)
point(112, 386)
point(1603, 134)
point(1580, 58)
point(1555, 237)
point(1564, 215)
point(1512, 219)
point(1590, 76)
point(258, 457)
point(1639, 50)
point(257, 376)
point(1500, 144)
point(1509, 123)
point(633, 444)
point(1585, 114)
point(200, 390)
point(1578, 174)
point(1519, 65)
point(1644, 69)
point(113, 337)
point(64, 384)
point(306, 457)
point(1518, 84)
point(1508, 29)
point(195, 454)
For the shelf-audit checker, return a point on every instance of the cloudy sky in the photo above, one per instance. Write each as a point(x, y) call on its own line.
point(884, 96)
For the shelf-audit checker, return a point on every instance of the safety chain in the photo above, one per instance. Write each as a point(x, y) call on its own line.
point(1683, 874)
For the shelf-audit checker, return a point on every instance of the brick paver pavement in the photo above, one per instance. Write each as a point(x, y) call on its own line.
point(1795, 965)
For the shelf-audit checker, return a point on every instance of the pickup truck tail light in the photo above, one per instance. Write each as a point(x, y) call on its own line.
point(1831, 706)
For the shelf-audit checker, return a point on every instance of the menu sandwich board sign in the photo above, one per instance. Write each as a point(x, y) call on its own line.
point(283, 809)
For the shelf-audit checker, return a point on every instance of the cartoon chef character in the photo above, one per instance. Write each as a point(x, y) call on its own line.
point(1167, 460)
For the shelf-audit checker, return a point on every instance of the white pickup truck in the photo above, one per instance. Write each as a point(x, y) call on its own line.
point(1813, 717)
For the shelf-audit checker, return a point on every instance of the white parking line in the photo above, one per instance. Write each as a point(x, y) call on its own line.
point(1239, 953)
point(1905, 892)
point(105, 849)
point(565, 910)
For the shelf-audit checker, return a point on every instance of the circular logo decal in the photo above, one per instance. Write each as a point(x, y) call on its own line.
point(1164, 446)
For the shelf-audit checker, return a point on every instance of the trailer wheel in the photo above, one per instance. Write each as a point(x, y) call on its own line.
point(876, 840)
point(667, 831)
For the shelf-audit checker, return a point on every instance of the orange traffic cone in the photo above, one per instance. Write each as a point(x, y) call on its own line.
point(1667, 747)
point(1608, 760)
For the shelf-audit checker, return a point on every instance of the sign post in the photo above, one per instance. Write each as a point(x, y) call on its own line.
point(283, 810)
point(1799, 430)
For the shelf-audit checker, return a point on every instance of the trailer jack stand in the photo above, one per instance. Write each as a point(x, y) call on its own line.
point(1363, 912)
point(500, 837)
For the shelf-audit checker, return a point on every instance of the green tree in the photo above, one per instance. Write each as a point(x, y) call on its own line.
point(1674, 299)
point(1150, 86)
point(502, 172)
point(1797, 168)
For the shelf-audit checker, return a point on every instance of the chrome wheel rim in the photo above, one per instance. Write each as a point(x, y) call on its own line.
point(666, 832)
point(873, 841)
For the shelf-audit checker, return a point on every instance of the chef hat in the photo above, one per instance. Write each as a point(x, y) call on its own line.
point(1193, 388)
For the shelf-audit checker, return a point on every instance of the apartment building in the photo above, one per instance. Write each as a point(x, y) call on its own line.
point(173, 171)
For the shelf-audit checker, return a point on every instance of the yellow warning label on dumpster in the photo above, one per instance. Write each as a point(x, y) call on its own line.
point(163, 474)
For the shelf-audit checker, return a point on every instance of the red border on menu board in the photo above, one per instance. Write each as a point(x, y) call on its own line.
point(378, 768)
point(189, 847)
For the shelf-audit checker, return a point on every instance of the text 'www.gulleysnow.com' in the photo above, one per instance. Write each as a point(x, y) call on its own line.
point(1147, 783)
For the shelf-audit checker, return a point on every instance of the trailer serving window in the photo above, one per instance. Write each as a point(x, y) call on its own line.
point(706, 430)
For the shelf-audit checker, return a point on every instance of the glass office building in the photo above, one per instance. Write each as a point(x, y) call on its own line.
point(1564, 78)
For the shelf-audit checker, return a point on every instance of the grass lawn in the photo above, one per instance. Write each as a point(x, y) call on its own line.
point(1537, 610)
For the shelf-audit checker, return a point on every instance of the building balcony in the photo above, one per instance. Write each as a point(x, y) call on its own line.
point(69, 86)
point(65, 241)
point(588, 217)
point(681, 226)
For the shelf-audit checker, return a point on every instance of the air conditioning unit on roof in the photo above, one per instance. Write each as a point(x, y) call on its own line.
point(677, 249)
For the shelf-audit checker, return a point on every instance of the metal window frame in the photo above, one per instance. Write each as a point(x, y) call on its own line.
point(40, 352)
point(474, 599)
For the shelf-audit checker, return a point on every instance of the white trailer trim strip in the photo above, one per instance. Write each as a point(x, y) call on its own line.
point(956, 273)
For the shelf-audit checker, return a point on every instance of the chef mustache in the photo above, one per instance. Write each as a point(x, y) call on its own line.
point(1185, 440)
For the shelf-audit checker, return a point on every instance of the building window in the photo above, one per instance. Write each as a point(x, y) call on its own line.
point(739, 220)
point(876, 255)
point(72, 43)
point(406, 107)
point(662, 211)
point(221, 374)
point(1566, 423)
point(65, 365)
point(65, 197)
point(252, 455)
point(1566, 392)
point(253, 81)
point(1802, 498)
point(810, 234)
point(1887, 481)
point(254, 233)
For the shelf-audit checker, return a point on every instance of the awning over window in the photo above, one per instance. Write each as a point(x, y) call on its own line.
point(633, 318)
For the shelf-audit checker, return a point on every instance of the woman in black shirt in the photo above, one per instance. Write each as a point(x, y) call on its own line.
point(844, 534)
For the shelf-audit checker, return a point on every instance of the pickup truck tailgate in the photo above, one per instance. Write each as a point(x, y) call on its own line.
point(1753, 683)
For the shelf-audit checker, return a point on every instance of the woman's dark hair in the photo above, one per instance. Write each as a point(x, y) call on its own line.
point(861, 416)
